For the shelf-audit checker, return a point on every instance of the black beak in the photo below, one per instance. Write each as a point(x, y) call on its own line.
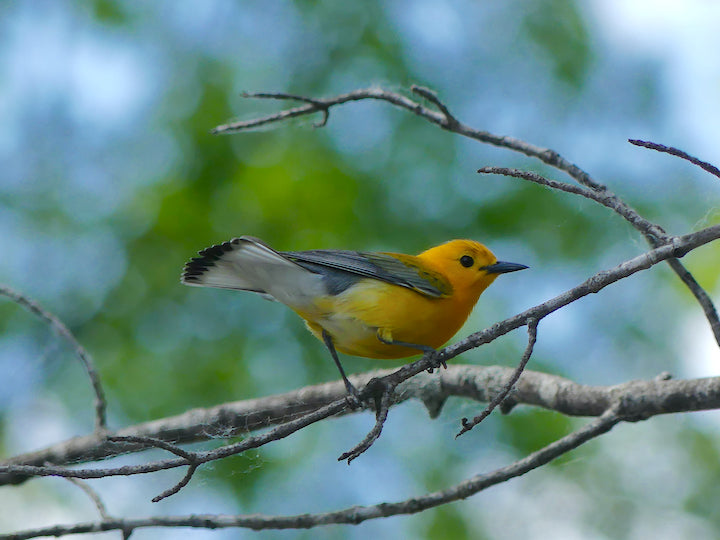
point(502, 267)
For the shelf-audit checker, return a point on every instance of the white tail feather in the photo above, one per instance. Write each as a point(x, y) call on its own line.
point(248, 264)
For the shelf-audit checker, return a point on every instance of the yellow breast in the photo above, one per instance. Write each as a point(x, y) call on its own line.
point(354, 317)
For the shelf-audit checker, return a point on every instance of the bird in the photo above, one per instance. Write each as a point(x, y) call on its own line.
point(370, 304)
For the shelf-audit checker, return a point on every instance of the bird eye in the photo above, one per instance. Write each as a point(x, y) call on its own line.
point(467, 261)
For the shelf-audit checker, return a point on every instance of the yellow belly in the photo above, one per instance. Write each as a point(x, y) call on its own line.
point(354, 318)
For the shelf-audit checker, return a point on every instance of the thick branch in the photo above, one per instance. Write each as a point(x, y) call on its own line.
point(474, 382)
point(355, 514)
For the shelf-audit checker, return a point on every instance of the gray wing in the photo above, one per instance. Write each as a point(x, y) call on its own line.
point(342, 268)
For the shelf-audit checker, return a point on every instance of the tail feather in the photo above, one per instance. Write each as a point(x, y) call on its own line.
point(248, 264)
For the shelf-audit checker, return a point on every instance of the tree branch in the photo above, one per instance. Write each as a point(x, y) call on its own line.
point(355, 514)
point(712, 169)
point(383, 406)
point(58, 326)
point(653, 397)
point(500, 397)
point(630, 401)
point(17, 473)
point(654, 234)
point(93, 496)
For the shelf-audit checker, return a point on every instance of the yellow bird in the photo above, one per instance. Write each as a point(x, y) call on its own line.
point(376, 305)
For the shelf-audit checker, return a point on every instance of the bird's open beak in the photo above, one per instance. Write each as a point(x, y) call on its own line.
point(502, 267)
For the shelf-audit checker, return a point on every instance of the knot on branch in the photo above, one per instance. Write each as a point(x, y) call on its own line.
point(429, 390)
point(679, 250)
point(598, 281)
point(631, 409)
point(450, 121)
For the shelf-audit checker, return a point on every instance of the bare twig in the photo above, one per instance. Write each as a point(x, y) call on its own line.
point(712, 169)
point(603, 197)
point(500, 397)
point(58, 326)
point(177, 487)
point(383, 406)
point(654, 234)
point(319, 105)
point(152, 442)
point(94, 497)
point(701, 296)
point(550, 157)
point(354, 514)
point(433, 98)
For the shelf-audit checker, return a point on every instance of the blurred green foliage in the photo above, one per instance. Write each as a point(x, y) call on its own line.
point(375, 178)
point(558, 29)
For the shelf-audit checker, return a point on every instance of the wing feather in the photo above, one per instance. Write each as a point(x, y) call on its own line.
point(402, 270)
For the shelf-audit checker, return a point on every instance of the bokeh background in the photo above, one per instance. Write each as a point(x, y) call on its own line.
point(110, 181)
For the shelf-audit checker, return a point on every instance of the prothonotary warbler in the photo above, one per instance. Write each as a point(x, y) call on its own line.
point(376, 305)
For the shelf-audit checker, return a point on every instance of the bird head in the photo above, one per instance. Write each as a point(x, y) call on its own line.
point(468, 265)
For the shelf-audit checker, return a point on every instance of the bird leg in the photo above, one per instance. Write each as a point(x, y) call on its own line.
point(385, 336)
point(354, 397)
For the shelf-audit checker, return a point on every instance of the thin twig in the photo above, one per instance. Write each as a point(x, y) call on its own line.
point(380, 417)
point(701, 295)
point(500, 397)
point(712, 169)
point(550, 157)
point(432, 97)
point(152, 442)
point(93, 495)
point(280, 432)
point(654, 234)
point(319, 105)
point(177, 487)
point(355, 514)
point(58, 326)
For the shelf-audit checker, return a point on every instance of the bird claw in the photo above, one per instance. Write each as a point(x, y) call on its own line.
point(353, 398)
point(353, 401)
point(437, 363)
